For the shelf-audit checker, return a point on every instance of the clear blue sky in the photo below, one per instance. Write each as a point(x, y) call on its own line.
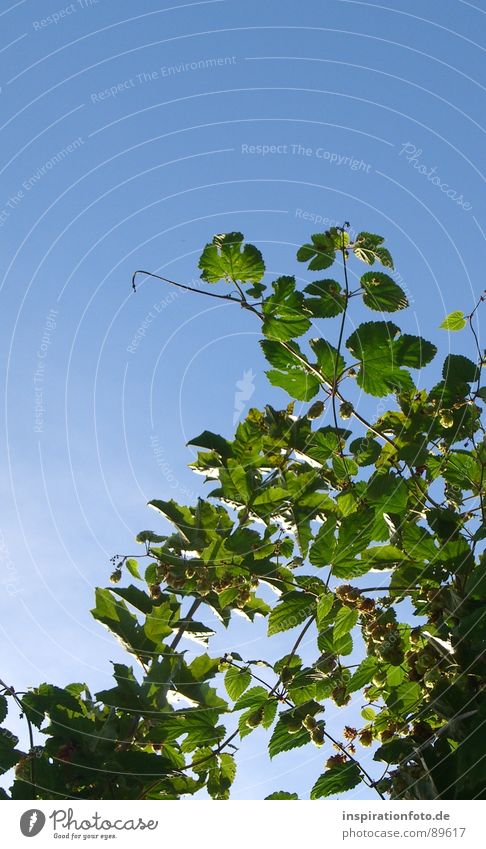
point(126, 142)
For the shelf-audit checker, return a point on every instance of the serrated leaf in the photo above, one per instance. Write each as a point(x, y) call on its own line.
point(395, 751)
point(236, 682)
point(413, 351)
point(366, 451)
point(293, 609)
point(213, 442)
point(115, 615)
point(381, 293)
point(368, 247)
point(283, 311)
point(457, 369)
point(320, 252)
point(372, 345)
point(454, 321)
point(9, 755)
point(226, 258)
point(327, 299)
point(326, 642)
point(296, 382)
point(387, 492)
point(157, 623)
point(345, 621)
point(329, 360)
point(322, 550)
point(282, 741)
point(283, 356)
point(362, 675)
point(254, 697)
point(381, 354)
point(339, 779)
point(405, 697)
point(324, 606)
point(281, 795)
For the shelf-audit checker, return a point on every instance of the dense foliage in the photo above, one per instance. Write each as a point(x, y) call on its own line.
point(355, 530)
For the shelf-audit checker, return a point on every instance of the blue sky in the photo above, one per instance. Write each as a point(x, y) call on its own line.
point(130, 135)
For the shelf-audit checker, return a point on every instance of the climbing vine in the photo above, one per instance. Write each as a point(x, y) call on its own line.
point(370, 533)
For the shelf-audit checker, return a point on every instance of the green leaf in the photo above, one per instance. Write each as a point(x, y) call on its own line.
point(330, 362)
point(387, 492)
point(283, 311)
point(327, 300)
point(280, 356)
point(326, 642)
point(132, 567)
point(324, 606)
point(180, 515)
point(320, 252)
point(135, 597)
point(381, 354)
point(457, 369)
point(254, 697)
point(293, 609)
point(222, 771)
point(405, 698)
point(395, 751)
point(325, 542)
point(115, 615)
point(224, 259)
point(373, 345)
point(236, 483)
point(454, 321)
point(281, 794)
point(9, 755)
point(413, 351)
point(296, 382)
point(368, 713)
point(282, 741)
point(203, 667)
point(295, 375)
point(149, 536)
point(236, 681)
point(157, 623)
point(382, 293)
point(339, 779)
point(213, 442)
point(344, 467)
point(345, 621)
point(363, 674)
point(3, 708)
point(368, 247)
point(366, 451)
point(355, 533)
point(269, 712)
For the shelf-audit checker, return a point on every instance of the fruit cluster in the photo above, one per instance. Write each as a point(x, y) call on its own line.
point(201, 579)
point(299, 717)
point(352, 597)
point(383, 637)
